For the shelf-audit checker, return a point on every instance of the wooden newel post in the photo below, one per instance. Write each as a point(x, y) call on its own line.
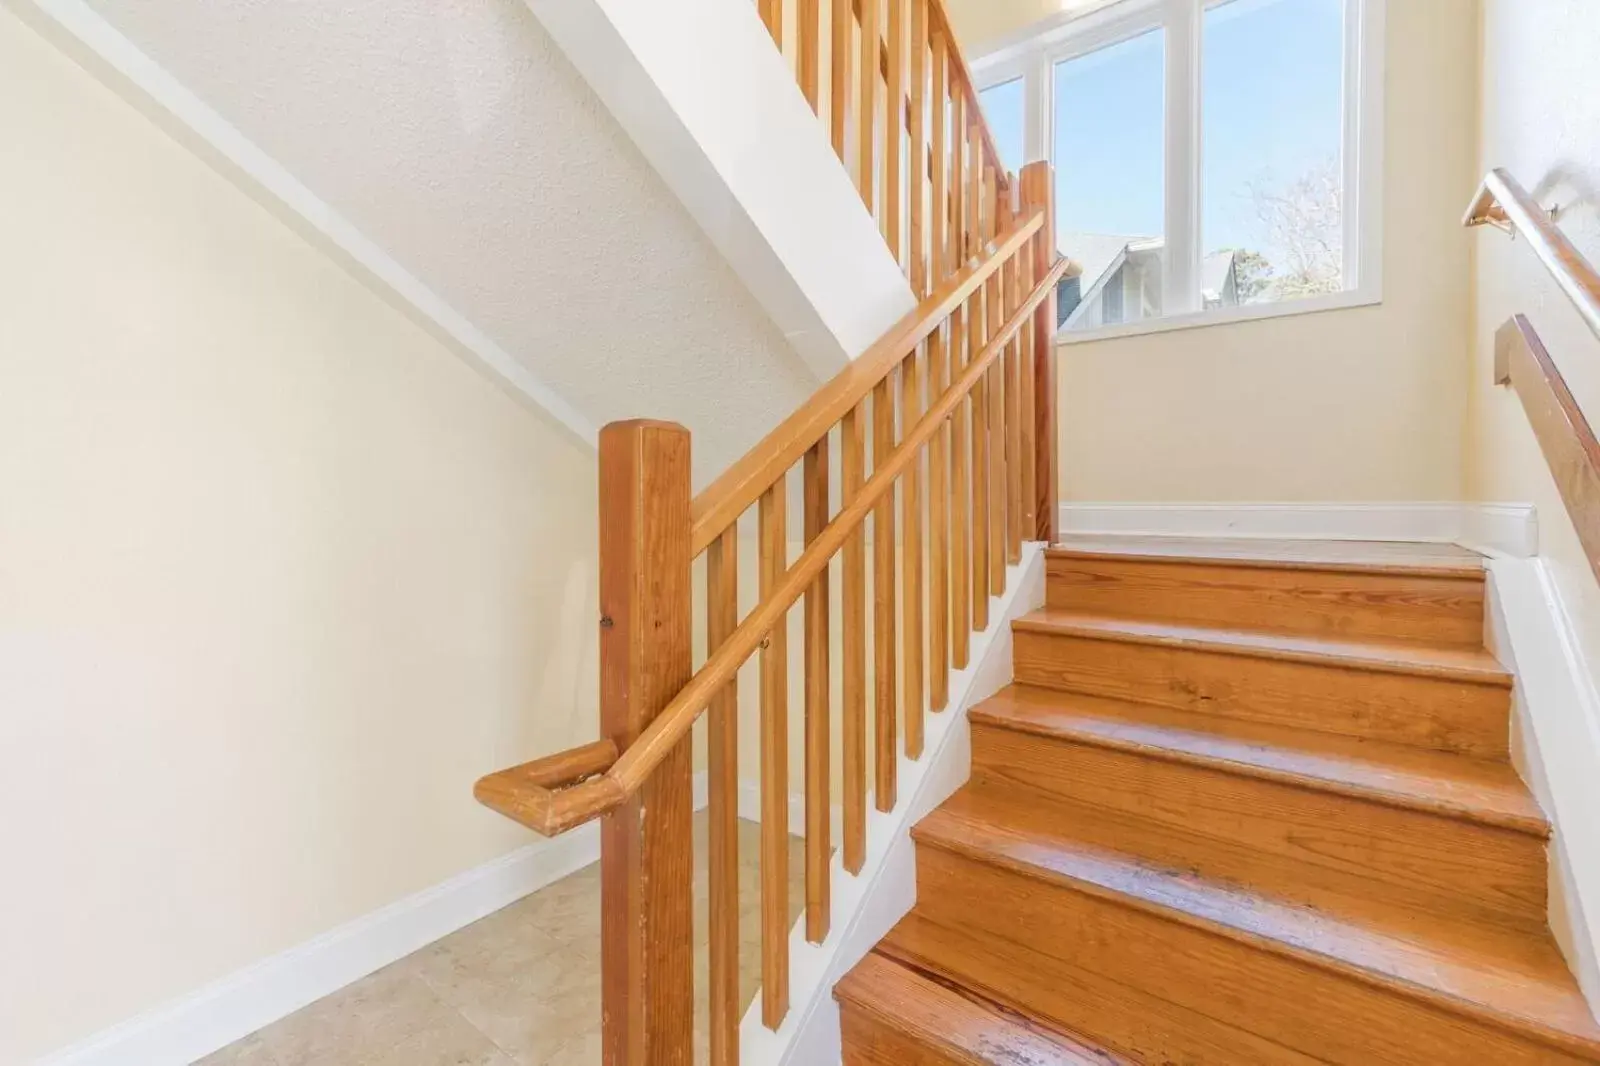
point(646, 931)
point(1039, 190)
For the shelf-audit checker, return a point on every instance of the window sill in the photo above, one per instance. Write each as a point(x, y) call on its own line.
point(1339, 301)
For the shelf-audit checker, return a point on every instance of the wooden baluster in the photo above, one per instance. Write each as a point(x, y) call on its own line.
point(774, 769)
point(839, 92)
point(853, 618)
point(980, 332)
point(867, 113)
point(911, 558)
point(993, 209)
point(938, 382)
point(722, 773)
point(917, 153)
point(960, 500)
point(1025, 480)
point(808, 56)
point(819, 767)
point(886, 746)
point(1015, 294)
point(894, 130)
point(1038, 191)
point(646, 927)
point(772, 15)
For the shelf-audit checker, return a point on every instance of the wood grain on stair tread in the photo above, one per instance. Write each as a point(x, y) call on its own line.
point(1401, 775)
point(1299, 837)
point(1473, 665)
point(1444, 713)
point(893, 1015)
point(1262, 942)
point(1347, 602)
point(1407, 557)
point(1147, 1028)
point(1495, 910)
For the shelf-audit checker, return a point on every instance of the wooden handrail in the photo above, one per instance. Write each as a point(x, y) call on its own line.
point(1504, 203)
point(556, 811)
point(1564, 434)
point(721, 503)
point(945, 453)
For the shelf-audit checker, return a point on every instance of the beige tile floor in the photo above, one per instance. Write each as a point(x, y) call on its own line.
point(518, 988)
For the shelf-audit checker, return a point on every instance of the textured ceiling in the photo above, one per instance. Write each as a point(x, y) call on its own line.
point(457, 137)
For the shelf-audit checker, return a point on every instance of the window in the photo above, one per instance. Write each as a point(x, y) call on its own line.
point(1210, 155)
point(1003, 109)
point(1272, 218)
point(1111, 216)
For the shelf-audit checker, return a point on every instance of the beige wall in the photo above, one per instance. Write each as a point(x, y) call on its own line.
point(1541, 121)
point(279, 576)
point(1361, 404)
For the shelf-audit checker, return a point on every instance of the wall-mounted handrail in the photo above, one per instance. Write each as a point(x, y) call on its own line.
point(1502, 202)
point(560, 804)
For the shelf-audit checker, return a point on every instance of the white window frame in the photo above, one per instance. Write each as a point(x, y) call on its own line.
point(1032, 54)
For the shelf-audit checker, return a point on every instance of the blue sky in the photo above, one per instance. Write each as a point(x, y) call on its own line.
point(1271, 111)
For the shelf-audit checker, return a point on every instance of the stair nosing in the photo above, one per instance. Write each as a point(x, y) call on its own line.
point(1463, 572)
point(1008, 1017)
point(1335, 654)
point(1538, 827)
point(1472, 1010)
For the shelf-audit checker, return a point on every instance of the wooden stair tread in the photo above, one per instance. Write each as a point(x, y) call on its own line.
point(1471, 665)
point(953, 1025)
point(1523, 987)
point(1400, 775)
point(1430, 560)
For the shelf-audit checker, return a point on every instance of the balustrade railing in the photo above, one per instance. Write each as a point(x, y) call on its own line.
point(941, 437)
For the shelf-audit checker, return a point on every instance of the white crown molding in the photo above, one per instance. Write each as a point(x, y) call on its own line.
point(116, 61)
point(1495, 529)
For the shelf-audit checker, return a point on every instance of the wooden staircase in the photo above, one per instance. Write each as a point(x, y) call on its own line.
point(1234, 810)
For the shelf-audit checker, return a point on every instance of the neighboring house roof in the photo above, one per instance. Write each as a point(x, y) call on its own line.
point(1098, 253)
point(1214, 271)
point(1101, 254)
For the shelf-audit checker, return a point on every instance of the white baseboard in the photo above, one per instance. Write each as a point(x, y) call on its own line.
point(216, 1015)
point(866, 906)
point(1556, 746)
point(1504, 529)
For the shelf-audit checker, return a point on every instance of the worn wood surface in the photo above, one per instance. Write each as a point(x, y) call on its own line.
point(1401, 694)
point(1222, 837)
point(893, 1015)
